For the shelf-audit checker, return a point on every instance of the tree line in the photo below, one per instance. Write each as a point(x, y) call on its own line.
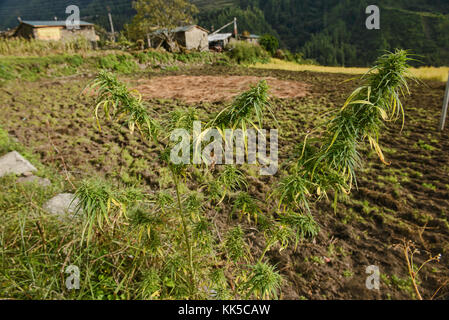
point(332, 32)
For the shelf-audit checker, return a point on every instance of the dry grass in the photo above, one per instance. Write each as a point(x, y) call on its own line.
point(424, 73)
point(431, 73)
point(24, 47)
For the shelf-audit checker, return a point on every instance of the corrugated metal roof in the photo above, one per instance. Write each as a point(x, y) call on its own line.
point(181, 29)
point(219, 37)
point(58, 23)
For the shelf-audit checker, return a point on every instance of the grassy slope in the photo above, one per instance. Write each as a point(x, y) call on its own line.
point(423, 73)
point(63, 65)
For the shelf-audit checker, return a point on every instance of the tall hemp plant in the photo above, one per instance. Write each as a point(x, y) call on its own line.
point(323, 165)
point(330, 163)
point(116, 102)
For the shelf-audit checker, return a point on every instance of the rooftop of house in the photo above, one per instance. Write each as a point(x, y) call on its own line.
point(181, 29)
point(251, 36)
point(54, 23)
point(219, 37)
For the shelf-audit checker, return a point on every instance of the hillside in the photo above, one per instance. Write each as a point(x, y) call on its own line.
point(331, 31)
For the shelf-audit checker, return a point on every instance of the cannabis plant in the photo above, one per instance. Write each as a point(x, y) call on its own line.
point(330, 163)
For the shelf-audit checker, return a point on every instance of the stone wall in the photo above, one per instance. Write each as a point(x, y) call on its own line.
point(196, 39)
point(57, 33)
point(87, 32)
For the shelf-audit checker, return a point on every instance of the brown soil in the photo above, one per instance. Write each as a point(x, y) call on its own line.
point(192, 89)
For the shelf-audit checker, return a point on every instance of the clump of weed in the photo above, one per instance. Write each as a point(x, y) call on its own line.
point(304, 224)
point(265, 282)
point(247, 53)
point(330, 163)
point(235, 244)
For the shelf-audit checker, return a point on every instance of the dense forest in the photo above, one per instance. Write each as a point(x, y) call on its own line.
point(332, 32)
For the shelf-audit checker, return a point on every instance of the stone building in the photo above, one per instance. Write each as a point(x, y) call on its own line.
point(191, 37)
point(219, 41)
point(55, 30)
point(251, 38)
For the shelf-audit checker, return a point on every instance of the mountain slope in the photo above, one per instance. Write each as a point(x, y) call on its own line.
point(334, 33)
point(331, 31)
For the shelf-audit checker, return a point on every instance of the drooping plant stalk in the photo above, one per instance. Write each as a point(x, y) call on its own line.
point(117, 102)
point(246, 111)
point(365, 113)
point(185, 230)
point(279, 235)
point(123, 105)
point(330, 163)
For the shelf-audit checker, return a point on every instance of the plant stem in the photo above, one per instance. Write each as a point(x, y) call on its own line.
point(267, 247)
point(186, 234)
point(411, 272)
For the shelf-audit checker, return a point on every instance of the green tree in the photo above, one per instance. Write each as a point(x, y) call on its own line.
point(269, 43)
point(162, 15)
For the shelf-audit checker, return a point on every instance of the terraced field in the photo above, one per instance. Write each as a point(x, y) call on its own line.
point(405, 201)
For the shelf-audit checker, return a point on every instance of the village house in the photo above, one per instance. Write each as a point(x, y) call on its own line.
point(191, 37)
point(55, 30)
point(251, 38)
point(219, 41)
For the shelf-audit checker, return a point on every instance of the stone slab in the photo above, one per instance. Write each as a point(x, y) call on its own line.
point(63, 205)
point(14, 163)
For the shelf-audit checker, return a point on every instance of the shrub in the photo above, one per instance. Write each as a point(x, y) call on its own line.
point(121, 63)
point(270, 43)
point(247, 53)
point(235, 244)
point(265, 281)
point(75, 61)
point(305, 225)
point(293, 57)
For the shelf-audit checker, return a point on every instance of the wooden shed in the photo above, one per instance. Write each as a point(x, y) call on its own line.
point(55, 30)
point(191, 37)
point(219, 41)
